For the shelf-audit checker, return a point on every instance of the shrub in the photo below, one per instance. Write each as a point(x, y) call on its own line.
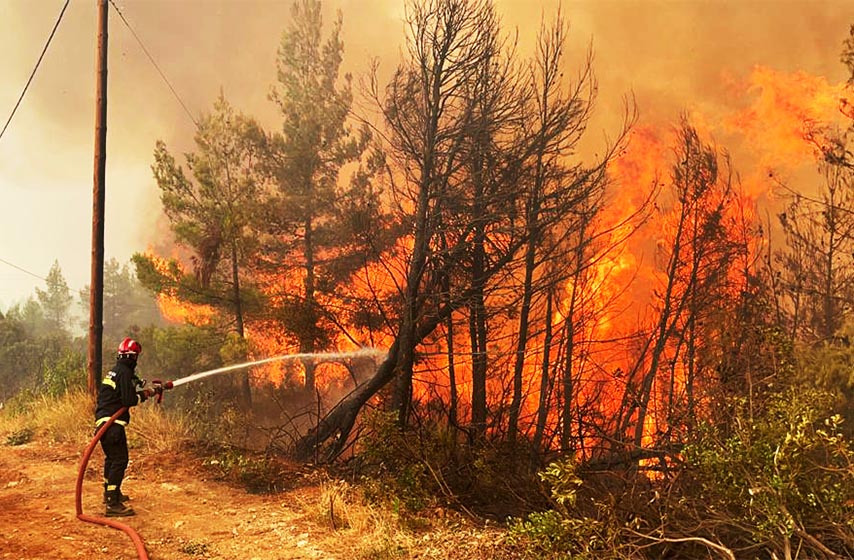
point(67, 418)
point(564, 532)
point(63, 373)
point(20, 437)
point(394, 470)
point(784, 474)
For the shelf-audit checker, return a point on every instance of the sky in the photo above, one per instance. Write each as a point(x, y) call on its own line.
point(702, 57)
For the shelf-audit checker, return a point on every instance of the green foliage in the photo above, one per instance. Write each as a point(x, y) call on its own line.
point(175, 352)
point(563, 532)
point(430, 465)
point(20, 437)
point(830, 366)
point(234, 350)
point(550, 534)
point(258, 473)
point(64, 372)
point(66, 418)
point(127, 304)
point(562, 479)
point(20, 358)
point(211, 213)
point(38, 356)
point(30, 315)
point(321, 227)
point(770, 476)
point(219, 421)
point(787, 470)
point(396, 471)
point(55, 301)
point(151, 277)
point(213, 210)
point(49, 363)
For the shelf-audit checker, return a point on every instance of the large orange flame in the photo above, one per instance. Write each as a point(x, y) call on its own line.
point(785, 113)
point(618, 290)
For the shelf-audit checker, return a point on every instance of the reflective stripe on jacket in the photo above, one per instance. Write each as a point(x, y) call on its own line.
point(118, 389)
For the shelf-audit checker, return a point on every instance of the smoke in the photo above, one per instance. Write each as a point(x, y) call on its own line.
point(673, 56)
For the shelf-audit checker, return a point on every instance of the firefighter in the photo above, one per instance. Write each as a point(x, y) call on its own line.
point(120, 388)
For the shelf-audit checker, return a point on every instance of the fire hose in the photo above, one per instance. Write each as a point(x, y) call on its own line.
point(84, 461)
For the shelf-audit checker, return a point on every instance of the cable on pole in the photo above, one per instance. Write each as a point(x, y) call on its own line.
point(153, 62)
point(38, 62)
point(33, 274)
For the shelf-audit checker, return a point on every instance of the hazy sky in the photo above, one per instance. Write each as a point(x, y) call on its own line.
point(700, 56)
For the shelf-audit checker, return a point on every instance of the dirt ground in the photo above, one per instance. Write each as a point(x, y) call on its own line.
point(179, 514)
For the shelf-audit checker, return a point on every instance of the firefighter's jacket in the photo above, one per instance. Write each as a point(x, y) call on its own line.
point(119, 387)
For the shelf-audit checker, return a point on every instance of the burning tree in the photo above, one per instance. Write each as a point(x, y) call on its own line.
point(501, 273)
point(702, 241)
point(480, 188)
point(213, 215)
point(316, 228)
point(563, 198)
point(814, 281)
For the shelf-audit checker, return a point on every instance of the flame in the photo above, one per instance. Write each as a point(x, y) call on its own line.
point(618, 288)
point(172, 308)
point(178, 311)
point(785, 114)
point(639, 165)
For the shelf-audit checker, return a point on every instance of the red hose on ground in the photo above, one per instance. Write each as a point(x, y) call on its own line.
point(137, 540)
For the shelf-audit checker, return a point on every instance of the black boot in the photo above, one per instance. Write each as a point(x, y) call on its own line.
point(122, 497)
point(115, 507)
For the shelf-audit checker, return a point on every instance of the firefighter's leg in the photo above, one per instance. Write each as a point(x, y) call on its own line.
point(114, 443)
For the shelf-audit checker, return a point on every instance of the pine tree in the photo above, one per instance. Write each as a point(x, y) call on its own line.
point(55, 301)
point(317, 225)
point(213, 213)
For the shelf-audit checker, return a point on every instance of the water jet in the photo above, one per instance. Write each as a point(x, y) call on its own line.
point(363, 352)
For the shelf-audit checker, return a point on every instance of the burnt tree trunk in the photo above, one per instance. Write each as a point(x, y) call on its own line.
point(245, 389)
point(337, 425)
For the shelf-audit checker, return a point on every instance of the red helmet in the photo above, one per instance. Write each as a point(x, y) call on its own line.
point(129, 348)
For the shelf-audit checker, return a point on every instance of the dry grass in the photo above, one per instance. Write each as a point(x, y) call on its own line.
point(379, 531)
point(67, 419)
point(70, 419)
point(340, 507)
point(384, 534)
point(155, 430)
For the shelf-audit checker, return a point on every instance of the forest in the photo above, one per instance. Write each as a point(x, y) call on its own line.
point(619, 353)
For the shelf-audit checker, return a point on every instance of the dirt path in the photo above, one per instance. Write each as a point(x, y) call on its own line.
point(180, 514)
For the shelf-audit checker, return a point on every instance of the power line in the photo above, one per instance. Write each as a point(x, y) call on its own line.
point(23, 270)
point(151, 58)
point(38, 62)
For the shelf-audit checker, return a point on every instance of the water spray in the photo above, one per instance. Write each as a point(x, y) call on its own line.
point(158, 388)
point(364, 352)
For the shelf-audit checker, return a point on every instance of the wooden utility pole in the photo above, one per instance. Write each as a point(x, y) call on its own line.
point(96, 288)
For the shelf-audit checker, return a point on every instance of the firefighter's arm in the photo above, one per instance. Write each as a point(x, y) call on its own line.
point(129, 390)
point(147, 393)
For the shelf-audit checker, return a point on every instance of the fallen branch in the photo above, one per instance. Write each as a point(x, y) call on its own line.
point(727, 553)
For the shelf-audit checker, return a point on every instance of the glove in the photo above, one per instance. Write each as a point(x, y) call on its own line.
point(157, 390)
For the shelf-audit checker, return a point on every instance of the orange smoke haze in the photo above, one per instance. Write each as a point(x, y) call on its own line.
point(758, 79)
point(670, 55)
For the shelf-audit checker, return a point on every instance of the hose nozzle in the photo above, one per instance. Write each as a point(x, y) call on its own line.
point(159, 387)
